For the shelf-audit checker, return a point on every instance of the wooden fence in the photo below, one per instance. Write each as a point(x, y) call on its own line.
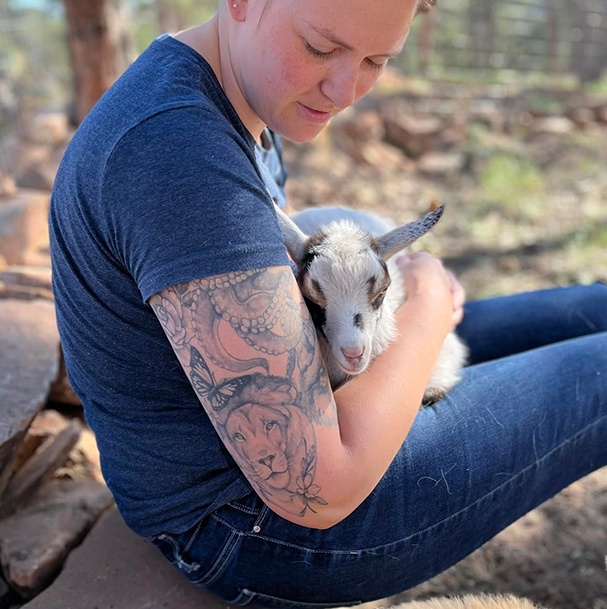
point(486, 38)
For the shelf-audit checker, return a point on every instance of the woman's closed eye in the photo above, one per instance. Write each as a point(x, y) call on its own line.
point(376, 66)
point(317, 53)
point(327, 54)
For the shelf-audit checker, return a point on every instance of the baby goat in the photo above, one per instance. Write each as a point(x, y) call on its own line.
point(345, 272)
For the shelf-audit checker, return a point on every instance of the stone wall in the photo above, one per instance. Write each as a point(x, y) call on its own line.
point(51, 489)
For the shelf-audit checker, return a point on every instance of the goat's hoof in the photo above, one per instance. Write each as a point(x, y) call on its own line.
point(432, 396)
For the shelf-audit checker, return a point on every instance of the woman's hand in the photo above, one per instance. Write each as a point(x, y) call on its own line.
point(459, 298)
point(422, 273)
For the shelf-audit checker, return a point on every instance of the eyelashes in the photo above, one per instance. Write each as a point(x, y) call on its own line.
point(328, 54)
point(318, 53)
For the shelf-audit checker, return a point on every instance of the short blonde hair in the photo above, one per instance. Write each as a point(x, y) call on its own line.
point(423, 6)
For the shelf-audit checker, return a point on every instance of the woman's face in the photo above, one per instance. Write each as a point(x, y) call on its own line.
point(297, 63)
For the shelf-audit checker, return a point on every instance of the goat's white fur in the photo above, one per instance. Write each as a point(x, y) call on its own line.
point(345, 250)
point(470, 601)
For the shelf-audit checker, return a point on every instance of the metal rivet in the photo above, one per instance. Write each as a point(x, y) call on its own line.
point(256, 529)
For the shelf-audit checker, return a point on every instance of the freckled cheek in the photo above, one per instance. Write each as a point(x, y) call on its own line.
point(296, 75)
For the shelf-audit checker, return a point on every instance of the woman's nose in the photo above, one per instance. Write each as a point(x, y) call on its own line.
point(341, 87)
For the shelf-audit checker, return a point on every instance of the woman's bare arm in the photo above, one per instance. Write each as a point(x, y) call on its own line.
point(246, 343)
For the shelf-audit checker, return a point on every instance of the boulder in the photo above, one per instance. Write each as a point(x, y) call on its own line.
point(8, 186)
point(61, 390)
point(43, 463)
point(442, 164)
point(35, 541)
point(413, 135)
point(29, 362)
point(23, 225)
point(26, 282)
point(116, 569)
point(553, 125)
point(49, 129)
point(46, 424)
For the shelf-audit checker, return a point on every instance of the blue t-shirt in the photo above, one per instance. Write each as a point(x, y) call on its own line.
point(159, 185)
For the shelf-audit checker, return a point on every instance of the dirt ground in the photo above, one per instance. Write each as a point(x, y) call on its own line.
point(526, 213)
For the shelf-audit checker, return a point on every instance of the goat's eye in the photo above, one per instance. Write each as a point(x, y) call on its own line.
point(315, 293)
point(378, 300)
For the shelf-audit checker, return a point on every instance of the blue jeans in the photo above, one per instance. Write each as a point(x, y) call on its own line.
point(528, 418)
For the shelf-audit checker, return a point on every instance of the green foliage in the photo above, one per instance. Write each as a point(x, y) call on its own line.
point(509, 179)
point(33, 64)
point(599, 87)
point(147, 16)
point(544, 104)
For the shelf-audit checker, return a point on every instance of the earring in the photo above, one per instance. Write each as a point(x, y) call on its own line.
point(234, 5)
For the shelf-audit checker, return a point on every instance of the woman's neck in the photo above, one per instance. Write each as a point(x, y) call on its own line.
point(211, 40)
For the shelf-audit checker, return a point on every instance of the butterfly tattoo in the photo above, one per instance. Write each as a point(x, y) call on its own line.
point(214, 394)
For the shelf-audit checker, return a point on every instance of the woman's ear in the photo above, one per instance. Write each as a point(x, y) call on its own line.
point(237, 9)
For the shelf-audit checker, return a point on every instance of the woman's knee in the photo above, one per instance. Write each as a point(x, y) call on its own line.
point(593, 306)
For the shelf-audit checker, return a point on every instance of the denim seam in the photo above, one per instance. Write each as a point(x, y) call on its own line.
point(262, 516)
point(291, 545)
point(252, 595)
point(437, 524)
point(244, 508)
point(194, 535)
point(216, 568)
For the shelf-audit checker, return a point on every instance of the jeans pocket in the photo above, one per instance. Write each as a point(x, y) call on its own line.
point(199, 553)
point(257, 599)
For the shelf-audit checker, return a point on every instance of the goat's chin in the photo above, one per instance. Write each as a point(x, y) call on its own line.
point(353, 370)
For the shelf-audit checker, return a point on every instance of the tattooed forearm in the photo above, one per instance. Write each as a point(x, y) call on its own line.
point(248, 347)
point(271, 439)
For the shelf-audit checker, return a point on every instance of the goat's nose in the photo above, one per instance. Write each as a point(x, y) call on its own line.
point(353, 354)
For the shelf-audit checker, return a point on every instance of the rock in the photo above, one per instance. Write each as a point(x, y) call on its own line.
point(581, 117)
point(35, 541)
point(553, 125)
point(53, 453)
point(26, 282)
point(441, 164)
point(360, 135)
point(8, 186)
point(48, 423)
point(115, 569)
point(38, 177)
point(23, 225)
point(39, 173)
point(33, 276)
point(61, 389)
point(29, 361)
point(48, 128)
point(357, 126)
point(413, 135)
point(24, 292)
point(379, 155)
point(601, 114)
point(87, 445)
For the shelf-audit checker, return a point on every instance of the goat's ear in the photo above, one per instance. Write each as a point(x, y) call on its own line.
point(403, 236)
point(295, 239)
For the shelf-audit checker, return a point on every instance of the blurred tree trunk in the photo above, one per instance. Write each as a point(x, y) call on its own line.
point(172, 16)
point(426, 39)
point(100, 47)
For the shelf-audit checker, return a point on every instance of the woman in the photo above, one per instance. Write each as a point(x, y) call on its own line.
point(278, 492)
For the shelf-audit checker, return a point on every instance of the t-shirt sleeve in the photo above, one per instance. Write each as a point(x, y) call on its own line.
point(182, 199)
